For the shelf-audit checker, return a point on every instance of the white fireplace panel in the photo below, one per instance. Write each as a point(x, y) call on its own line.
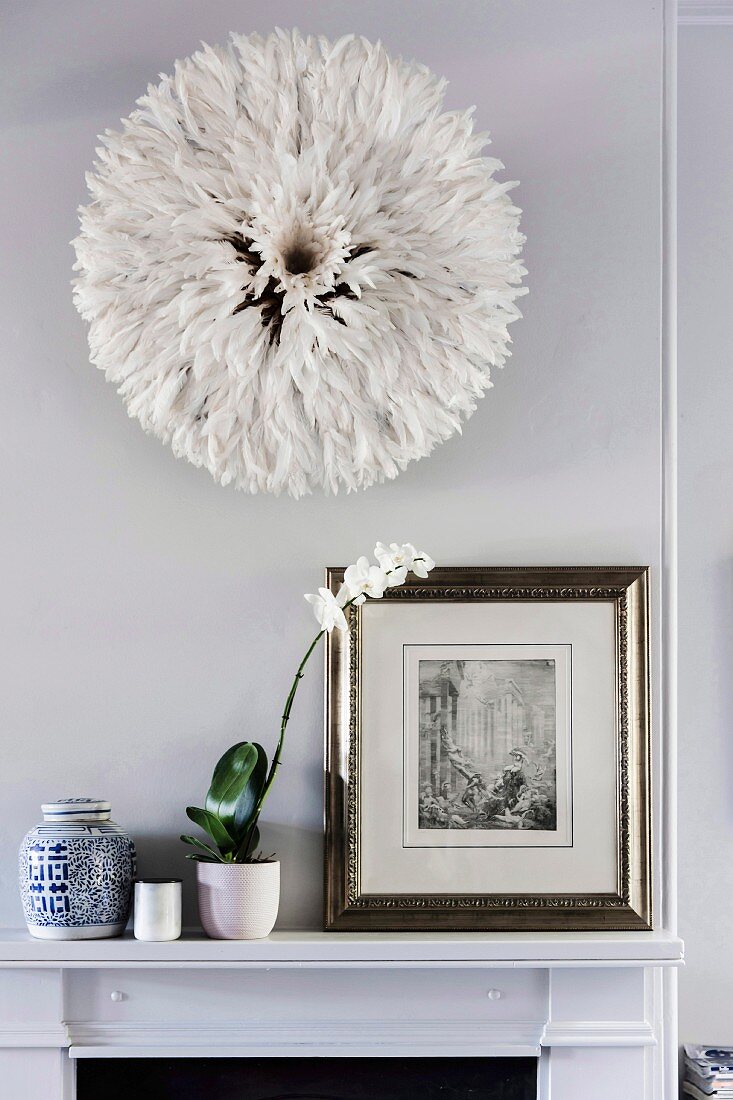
point(599, 1074)
point(362, 997)
point(604, 995)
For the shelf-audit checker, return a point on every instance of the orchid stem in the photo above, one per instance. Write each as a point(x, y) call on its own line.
point(242, 851)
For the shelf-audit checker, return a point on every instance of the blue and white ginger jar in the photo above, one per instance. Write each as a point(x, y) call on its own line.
point(76, 872)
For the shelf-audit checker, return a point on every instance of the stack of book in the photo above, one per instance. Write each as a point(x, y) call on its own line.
point(708, 1072)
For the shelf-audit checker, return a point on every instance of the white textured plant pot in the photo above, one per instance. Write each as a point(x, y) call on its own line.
point(238, 901)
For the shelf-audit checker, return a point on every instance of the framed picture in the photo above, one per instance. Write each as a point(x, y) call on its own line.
point(487, 753)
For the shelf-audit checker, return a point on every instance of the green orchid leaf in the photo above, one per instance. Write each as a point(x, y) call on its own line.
point(211, 824)
point(231, 774)
point(194, 842)
point(236, 785)
point(247, 802)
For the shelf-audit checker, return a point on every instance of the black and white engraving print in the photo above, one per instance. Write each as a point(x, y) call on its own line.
point(487, 745)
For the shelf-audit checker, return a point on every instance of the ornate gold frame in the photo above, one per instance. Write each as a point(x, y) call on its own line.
point(629, 908)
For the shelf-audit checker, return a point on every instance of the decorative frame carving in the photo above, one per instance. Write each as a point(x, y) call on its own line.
point(629, 908)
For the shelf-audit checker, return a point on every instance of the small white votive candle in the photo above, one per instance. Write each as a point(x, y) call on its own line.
point(157, 909)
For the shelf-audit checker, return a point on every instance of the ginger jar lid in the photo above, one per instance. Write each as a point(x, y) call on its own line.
point(77, 809)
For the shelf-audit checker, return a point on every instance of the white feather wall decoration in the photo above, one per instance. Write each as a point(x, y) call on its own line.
point(296, 266)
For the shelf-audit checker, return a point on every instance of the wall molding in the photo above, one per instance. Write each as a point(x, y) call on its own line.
point(488, 1038)
point(664, 1068)
point(25, 1037)
point(705, 13)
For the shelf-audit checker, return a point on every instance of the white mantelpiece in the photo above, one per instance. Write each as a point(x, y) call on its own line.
point(583, 1003)
point(353, 949)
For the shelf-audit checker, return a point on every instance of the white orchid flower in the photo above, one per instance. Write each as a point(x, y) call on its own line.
point(364, 580)
point(328, 609)
point(422, 564)
point(398, 560)
point(395, 561)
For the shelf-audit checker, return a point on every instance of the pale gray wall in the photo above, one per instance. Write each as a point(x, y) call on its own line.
point(150, 618)
point(706, 531)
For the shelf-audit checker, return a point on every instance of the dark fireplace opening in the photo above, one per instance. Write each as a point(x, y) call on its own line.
point(307, 1078)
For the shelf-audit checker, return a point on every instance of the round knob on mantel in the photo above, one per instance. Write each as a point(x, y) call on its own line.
point(494, 994)
point(116, 995)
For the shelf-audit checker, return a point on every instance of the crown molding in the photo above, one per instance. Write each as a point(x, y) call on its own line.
point(704, 13)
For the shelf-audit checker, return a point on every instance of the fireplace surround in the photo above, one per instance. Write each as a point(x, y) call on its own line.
point(583, 1006)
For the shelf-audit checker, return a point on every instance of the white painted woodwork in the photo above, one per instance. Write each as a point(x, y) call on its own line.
point(706, 464)
point(327, 949)
point(570, 1000)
